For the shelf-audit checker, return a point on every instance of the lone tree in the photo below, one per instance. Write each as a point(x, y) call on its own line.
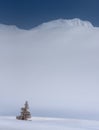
point(25, 114)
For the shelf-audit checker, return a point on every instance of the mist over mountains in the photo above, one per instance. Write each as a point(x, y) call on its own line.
point(55, 66)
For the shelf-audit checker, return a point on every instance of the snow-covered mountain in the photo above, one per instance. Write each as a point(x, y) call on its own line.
point(54, 66)
point(66, 23)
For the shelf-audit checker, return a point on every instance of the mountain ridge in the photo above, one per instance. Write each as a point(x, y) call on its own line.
point(76, 22)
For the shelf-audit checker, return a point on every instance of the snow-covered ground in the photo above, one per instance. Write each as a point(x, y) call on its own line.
point(41, 123)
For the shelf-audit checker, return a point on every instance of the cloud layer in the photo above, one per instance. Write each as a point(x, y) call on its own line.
point(54, 66)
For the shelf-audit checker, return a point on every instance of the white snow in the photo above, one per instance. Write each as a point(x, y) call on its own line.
point(64, 23)
point(38, 123)
point(54, 66)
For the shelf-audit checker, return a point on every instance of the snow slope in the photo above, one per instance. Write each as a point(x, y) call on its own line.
point(38, 123)
point(54, 66)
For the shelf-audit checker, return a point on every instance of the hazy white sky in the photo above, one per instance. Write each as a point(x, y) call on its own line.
point(54, 66)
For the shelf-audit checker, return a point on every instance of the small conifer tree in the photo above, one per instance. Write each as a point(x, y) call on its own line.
point(25, 114)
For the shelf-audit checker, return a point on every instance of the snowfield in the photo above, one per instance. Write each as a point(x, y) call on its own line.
point(41, 123)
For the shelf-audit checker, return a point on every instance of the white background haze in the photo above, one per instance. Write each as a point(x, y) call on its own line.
point(54, 66)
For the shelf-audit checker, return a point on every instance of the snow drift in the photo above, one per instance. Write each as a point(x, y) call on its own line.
point(54, 66)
